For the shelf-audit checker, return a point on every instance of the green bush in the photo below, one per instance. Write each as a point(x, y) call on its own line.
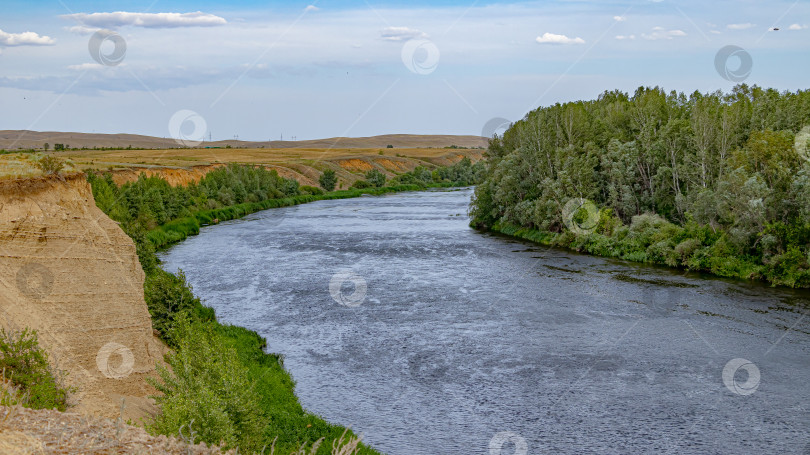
point(208, 390)
point(375, 178)
point(685, 250)
point(168, 296)
point(311, 190)
point(24, 367)
point(361, 184)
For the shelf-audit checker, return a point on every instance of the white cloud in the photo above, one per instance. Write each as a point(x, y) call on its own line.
point(82, 30)
point(148, 20)
point(402, 34)
point(551, 38)
point(715, 32)
point(625, 37)
point(659, 33)
point(311, 8)
point(24, 39)
point(797, 27)
point(619, 18)
point(745, 26)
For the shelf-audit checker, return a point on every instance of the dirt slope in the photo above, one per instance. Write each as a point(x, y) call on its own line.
point(71, 273)
point(294, 164)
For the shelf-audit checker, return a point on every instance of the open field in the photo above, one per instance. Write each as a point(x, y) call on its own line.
point(180, 166)
point(351, 158)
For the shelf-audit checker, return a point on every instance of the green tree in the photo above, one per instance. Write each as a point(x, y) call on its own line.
point(725, 167)
point(328, 180)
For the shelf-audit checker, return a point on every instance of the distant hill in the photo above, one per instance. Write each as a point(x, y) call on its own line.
point(21, 139)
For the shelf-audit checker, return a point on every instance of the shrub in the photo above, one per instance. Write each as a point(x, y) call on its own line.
point(208, 390)
point(376, 178)
point(50, 165)
point(311, 190)
point(361, 185)
point(24, 366)
point(685, 250)
point(659, 252)
point(167, 297)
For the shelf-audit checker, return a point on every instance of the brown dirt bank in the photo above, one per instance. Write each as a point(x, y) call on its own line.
point(305, 166)
point(72, 274)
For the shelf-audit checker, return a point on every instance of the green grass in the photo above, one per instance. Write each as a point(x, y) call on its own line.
point(26, 375)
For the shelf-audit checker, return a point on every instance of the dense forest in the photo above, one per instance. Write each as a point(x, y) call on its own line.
point(716, 182)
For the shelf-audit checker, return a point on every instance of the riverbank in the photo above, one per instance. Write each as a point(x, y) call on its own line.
point(652, 240)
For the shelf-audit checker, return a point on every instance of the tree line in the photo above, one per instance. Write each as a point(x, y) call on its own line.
point(717, 181)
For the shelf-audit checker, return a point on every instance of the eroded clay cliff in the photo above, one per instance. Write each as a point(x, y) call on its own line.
point(71, 273)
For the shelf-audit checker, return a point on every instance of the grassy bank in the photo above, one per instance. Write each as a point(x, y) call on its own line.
point(651, 239)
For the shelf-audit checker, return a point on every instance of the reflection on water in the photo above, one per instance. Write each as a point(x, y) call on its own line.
point(461, 341)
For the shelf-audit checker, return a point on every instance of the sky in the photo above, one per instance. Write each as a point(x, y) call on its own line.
point(258, 70)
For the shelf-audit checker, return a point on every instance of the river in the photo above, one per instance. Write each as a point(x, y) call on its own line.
point(428, 337)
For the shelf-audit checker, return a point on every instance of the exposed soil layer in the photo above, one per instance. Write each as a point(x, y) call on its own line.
point(72, 274)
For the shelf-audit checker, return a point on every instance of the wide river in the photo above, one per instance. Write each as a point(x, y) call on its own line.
point(428, 337)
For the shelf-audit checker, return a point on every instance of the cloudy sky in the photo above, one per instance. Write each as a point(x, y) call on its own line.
point(313, 69)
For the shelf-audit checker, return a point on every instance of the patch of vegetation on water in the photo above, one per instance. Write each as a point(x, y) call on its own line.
point(561, 269)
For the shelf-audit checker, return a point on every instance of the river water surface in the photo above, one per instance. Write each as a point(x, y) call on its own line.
point(437, 339)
